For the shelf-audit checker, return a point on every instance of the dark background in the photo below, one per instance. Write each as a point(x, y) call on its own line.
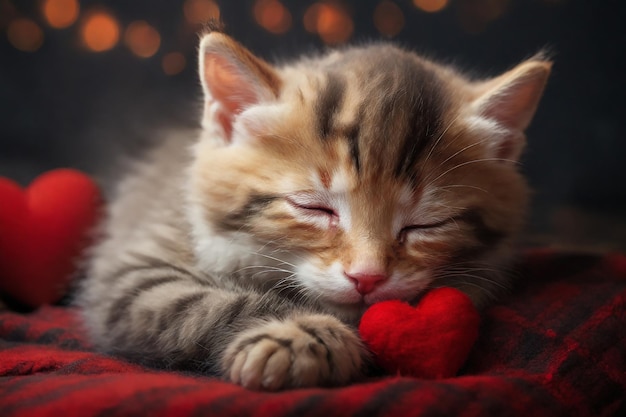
point(62, 104)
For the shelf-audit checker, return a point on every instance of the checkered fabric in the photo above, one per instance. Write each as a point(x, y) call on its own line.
point(556, 347)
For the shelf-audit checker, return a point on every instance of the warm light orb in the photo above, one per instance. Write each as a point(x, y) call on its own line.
point(388, 18)
point(431, 6)
point(142, 39)
point(330, 21)
point(476, 15)
point(200, 11)
point(60, 13)
point(25, 35)
point(489, 10)
point(173, 63)
point(310, 18)
point(272, 16)
point(100, 31)
point(7, 13)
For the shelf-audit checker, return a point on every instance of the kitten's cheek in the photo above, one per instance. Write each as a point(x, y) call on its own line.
point(340, 294)
point(329, 285)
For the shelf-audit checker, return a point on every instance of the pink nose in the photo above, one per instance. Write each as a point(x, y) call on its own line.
point(365, 283)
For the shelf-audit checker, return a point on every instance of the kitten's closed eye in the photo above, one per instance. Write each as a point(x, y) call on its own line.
point(313, 205)
point(402, 235)
point(313, 208)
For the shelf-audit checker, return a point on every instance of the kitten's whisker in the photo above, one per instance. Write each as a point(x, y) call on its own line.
point(267, 267)
point(302, 294)
point(480, 266)
point(288, 251)
point(287, 280)
point(287, 283)
point(466, 270)
point(471, 162)
point(451, 207)
point(201, 346)
point(464, 186)
point(472, 269)
point(253, 276)
point(461, 151)
point(459, 275)
point(462, 282)
point(443, 133)
point(282, 262)
point(269, 242)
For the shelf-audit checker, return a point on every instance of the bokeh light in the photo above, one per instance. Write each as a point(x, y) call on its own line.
point(431, 6)
point(61, 13)
point(200, 11)
point(100, 31)
point(142, 39)
point(388, 18)
point(489, 10)
point(173, 63)
point(475, 15)
point(7, 12)
point(330, 21)
point(272, 16)
point(25, 35)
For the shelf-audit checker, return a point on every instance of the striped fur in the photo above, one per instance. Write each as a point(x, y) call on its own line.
point(233, 250)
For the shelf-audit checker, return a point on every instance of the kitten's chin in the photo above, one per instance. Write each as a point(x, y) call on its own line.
point(349, 313)
point(352, 311)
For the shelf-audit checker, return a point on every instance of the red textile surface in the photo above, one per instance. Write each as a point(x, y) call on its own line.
point(555, 347)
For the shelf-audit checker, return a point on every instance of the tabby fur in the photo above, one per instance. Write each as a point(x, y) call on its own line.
point(249, 249)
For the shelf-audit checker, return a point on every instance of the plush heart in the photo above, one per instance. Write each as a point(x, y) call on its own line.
point(42, 230)
point(432, 340)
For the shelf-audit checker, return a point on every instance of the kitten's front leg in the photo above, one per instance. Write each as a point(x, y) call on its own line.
point(302, 351)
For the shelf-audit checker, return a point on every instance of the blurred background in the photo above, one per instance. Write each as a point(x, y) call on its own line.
point(84, 81)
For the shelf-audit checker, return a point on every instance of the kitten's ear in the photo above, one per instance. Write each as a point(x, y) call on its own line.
point(233, 79)
point(509, 102)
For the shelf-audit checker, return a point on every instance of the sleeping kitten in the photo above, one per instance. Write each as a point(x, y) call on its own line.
point(250, 249)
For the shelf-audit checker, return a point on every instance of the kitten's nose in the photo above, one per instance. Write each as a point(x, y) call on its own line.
point(365, 283)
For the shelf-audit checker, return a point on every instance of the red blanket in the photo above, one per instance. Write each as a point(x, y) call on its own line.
point(555, 347)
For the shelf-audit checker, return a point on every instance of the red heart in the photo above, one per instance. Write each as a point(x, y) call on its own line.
point(432, 340)
point(42, 230)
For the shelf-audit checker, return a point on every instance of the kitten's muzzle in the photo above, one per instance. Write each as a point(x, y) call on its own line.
point(366, 283)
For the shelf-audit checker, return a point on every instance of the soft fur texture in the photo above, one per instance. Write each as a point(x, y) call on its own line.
point(315, 189)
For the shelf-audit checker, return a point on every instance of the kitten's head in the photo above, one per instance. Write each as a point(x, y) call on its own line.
point(370, 171)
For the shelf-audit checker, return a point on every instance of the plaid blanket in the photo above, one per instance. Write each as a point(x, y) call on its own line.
point(557, 346)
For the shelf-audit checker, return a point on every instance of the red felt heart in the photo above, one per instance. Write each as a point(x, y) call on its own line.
point(42, 230)
point(432, 340)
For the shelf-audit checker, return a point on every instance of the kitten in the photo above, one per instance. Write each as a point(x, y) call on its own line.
point(250, 249)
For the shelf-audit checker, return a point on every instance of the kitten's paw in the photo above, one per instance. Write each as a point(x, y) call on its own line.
point(306, 351)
